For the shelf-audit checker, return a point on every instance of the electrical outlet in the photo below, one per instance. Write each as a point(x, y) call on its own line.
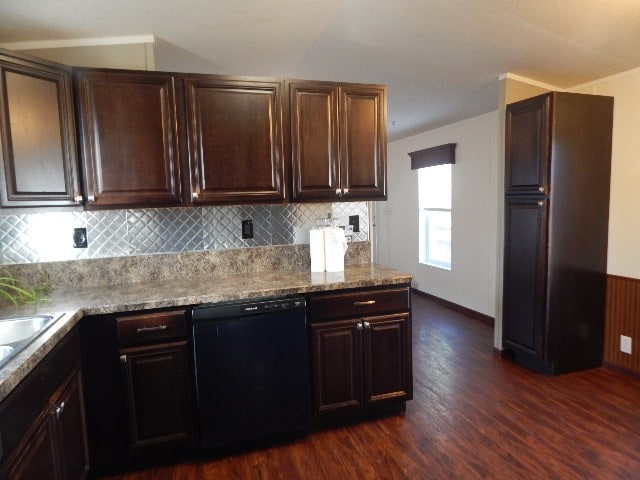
point(247, 229)
point(625, 344)
point(354, 221)
point(80, 238)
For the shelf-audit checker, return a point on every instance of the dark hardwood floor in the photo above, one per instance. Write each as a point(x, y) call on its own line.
point(474, 415)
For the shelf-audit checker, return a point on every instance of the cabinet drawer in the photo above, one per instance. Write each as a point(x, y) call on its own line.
point(151, 327)
point(358, 304)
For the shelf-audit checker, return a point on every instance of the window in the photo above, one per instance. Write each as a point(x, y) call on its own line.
point(434, 184)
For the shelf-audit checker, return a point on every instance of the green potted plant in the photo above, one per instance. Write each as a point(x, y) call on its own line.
point(17, 292)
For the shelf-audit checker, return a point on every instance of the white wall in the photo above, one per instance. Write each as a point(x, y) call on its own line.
point(472, 279)
point(132, 52)
point(624, 205)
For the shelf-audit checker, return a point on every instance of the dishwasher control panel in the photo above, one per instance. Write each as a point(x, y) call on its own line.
point(247, 307)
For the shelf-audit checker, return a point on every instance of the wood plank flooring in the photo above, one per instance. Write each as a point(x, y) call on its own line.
point(474, 416)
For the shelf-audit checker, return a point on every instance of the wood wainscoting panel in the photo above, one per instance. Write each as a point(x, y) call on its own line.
point(622, 317)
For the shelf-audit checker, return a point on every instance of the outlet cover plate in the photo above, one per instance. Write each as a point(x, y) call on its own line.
point(625, 344)
point(354, 221)
point(80, 238)
point(247, 229)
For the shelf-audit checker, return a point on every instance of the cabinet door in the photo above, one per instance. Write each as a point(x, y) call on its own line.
point(234, 130)
point(363, 142)
point(37, 459)
point(527, 146)
point(38, 160)
point(314, 140)
point(524, 274)
point(336, 359)
point(387, 359)
point(157, 387)
point(68, 409)
point(130, 138)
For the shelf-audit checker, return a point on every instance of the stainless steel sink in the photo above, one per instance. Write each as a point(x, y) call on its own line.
point(17, 333)
point(5, 352)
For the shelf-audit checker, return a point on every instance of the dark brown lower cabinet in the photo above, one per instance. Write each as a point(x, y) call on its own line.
point(139, 388)
point(54, 444)
point(156, 385)
point(361, 363)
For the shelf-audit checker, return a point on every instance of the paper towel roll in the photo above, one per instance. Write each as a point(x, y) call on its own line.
point(335, 246)
point(316, 249)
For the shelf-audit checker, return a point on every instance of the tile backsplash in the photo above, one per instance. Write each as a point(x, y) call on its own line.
point(48, 236)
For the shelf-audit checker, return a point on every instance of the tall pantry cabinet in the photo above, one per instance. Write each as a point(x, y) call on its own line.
point(557, 177)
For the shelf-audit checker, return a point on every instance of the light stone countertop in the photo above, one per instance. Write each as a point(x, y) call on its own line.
point(78, 302)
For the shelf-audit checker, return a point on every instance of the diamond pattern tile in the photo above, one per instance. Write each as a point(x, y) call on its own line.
point(14, 237)
point(107, 233)
point(282, 225)
point(291, 223)
point(342, 211)
point(50, 236)
point(222, 226)
point(41, 237)
point(164, 230)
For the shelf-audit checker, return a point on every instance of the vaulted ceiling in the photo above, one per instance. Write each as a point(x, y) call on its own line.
point(439, 58)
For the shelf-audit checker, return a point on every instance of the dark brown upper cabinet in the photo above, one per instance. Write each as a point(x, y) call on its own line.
point(338, 141)
point(235, 139)
point(130, 138)
point(527, 152)
point(38, 158)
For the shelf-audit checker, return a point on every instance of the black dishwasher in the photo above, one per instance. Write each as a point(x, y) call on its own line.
point(252, 371)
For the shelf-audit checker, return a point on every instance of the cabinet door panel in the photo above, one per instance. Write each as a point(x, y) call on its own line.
point(527, 146)
point(71, 426)
point(158, 393)
point(235, 140)
point(363, 144)
point(387, 358)
point(314, 140)
point(130, 138)
point(336, 366)
point(524, 273)
point(36, 461)
point(38, 156)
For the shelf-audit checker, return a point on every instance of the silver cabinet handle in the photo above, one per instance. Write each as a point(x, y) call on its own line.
point(123, 359)
point(366, 302)
point(194, 195)
point(367, 325)
point(91, 198)
point(58, 410)
point(541, 189)
point(78, 199)
point(338, 192)
point(359, 326)
point(151, 329)
point(345, 191)
point(540, 203)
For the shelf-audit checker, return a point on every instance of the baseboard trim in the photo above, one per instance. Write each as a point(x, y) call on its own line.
point(454, 306)
point(622, 370)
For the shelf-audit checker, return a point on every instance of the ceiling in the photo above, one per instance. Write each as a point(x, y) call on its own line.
point(440, 59)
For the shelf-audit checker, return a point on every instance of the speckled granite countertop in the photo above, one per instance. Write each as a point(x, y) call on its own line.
point(79, 302)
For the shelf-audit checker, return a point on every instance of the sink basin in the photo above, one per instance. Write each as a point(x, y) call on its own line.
point(13, 330)
point(17, 333)
point(5, 352)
